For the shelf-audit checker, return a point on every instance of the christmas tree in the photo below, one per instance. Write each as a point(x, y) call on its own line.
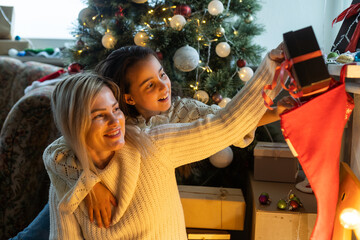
point(204, 47)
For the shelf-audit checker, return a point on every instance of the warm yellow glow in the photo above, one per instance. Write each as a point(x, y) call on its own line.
point(200, 61)
point(169, 18)
point(203, 21)
point(236, 32)
point(80, 51)
point(350, 218)
point(173, 6)
point(93, 18)
point(150, 11)
point(164, 9)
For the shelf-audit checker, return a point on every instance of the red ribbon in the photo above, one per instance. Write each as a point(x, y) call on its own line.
point(349, 12)
point(52, 75)
point(286, 65)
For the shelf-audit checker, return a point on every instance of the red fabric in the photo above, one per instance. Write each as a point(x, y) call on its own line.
point(315, 131)
point(52, 75)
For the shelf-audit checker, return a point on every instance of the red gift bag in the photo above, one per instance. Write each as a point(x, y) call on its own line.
point(314, 131)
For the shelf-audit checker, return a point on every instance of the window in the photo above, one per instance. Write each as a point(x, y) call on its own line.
point(44, 18)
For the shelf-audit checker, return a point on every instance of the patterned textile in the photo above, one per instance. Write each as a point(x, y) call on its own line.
point(27, 127)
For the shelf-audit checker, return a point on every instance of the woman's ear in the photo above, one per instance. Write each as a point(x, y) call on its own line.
point(129, 100)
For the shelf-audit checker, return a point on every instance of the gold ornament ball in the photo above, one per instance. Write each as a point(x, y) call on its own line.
point(219, 32)
point(108, 41)
point(186, 58)
point(245, 73)
point(201, 96)
point(224, 102)
point(86, 17)
point(249, 18)
point(177, 22)
point(141, 39)
point(139, 1)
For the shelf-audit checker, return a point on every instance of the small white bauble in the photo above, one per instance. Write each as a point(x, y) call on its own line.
point(108, 41)
point(86, 17)
point(223, 158)
point(224, 102)
point(223, 49)
point(186, 59)
point(215, 7)
point(177, 22)
point(13, 52)
point(141, 39)
point(246, 73)
point(139, 1)
point(201, 96)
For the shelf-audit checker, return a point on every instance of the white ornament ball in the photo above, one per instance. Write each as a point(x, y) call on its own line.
point(141, 39)
point(224, 102)
point(186, 59)
point(223, 158)
point(86, 17)
point(108, 41)
point(139, 1)
point(177, 22)
point(223, 49)
point(245, 73)
point(201, 96)
point(215, 7)
point(13, 52)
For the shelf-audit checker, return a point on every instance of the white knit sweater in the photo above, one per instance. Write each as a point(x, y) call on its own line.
point(149, 205)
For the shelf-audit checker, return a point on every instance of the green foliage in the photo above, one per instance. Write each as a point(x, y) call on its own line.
point(124, 18)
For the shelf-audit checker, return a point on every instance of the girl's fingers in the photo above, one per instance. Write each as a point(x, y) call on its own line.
point(98, 218)
point(91, 214)
point(105, 218)
point(108, 211)
point(113, 201)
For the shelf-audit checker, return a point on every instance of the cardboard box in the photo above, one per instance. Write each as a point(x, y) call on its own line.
point(214, 208)
point(311, 75)
point(5, 45)
point(274, 162)
point(206, 234)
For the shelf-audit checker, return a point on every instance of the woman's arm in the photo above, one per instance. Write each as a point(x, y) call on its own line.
point(194, 141)
point(62, 165)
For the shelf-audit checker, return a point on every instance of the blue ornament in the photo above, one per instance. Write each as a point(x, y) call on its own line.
point(17, 38)
point(357, 57)
point(21, 53)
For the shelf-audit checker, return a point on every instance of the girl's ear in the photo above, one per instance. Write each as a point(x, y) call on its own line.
point(129, 100)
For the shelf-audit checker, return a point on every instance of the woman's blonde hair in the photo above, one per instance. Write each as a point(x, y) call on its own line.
point(71, 102)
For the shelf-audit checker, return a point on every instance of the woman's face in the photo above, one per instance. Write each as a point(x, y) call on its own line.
point(150, 87)
point(107, 129)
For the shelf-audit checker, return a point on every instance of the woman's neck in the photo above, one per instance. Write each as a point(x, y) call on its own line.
point(101, 159)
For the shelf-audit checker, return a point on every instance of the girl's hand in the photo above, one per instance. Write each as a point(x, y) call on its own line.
point(285, 103)
point(277, 54)
point(99, 202)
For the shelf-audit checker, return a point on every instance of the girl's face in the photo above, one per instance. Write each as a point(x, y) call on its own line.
point(107, 129)
point(150, 87)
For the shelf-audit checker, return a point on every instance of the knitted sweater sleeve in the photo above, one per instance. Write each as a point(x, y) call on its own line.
point(67, 176)
point(188, 110)
point(190, 142)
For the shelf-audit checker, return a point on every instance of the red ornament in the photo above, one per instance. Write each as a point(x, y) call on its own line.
point(75, 68)
point(293, 205)
point(217, 97)
point(241, 63)
point(159, 55)
point(120, 12)
point(183, 9)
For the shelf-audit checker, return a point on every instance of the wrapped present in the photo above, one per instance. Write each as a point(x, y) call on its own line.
point(349, 33)
point(5, 45)
point(307, 65)
point(212, 207)
point(206, 234)
point(6, 22)
point(274, 162)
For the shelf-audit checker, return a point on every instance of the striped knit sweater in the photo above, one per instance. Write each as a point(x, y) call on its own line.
point(149, 205)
